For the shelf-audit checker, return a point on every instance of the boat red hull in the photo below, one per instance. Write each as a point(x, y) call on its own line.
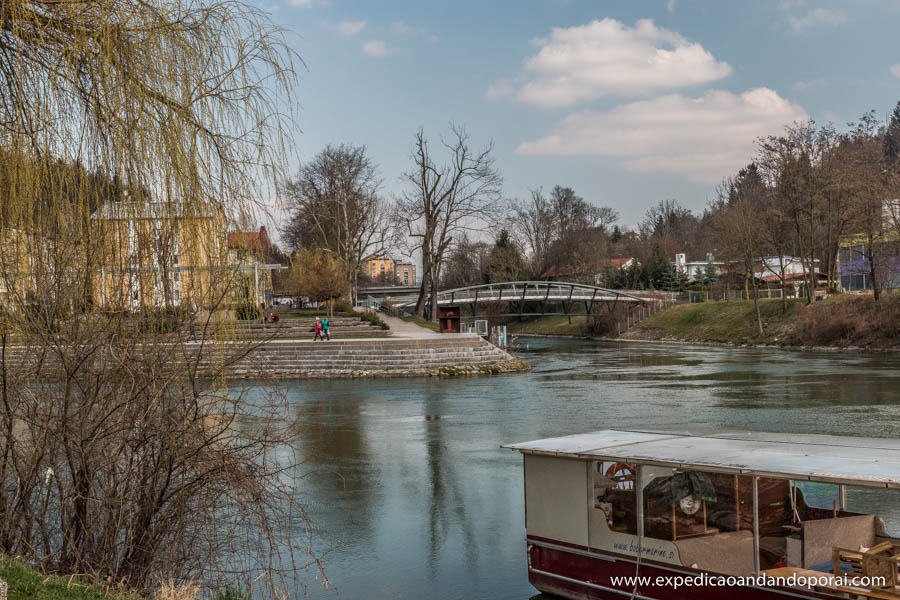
point(586, 574)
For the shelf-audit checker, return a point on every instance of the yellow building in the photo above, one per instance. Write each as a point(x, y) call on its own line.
point(380, 269)
point(161, 254)
point(405, 273)
point(17, 252)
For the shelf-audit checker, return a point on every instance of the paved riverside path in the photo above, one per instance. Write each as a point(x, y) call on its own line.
point(406, 329)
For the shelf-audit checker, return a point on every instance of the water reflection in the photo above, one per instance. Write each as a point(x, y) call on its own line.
point(414, 499)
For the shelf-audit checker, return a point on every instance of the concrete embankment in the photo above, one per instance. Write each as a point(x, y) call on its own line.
point(432, 356)
point(246, 350)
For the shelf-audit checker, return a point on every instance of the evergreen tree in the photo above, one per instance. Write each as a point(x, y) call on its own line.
point(669, 279)
point(658, 269)
point(709, 274)
point(616, 235)
point(892, 137)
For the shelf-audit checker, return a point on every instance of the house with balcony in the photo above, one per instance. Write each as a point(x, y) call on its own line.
point(699, 270)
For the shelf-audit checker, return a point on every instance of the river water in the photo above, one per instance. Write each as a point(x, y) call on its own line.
point(412, 496)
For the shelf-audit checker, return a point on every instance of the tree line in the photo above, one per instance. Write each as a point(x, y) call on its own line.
point(805, 191)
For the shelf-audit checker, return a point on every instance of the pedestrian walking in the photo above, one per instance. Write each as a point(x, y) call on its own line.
point(318, 335)
point(325, 327)
point(193, 328)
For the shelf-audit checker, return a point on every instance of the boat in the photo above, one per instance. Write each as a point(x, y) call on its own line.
point(656, 515)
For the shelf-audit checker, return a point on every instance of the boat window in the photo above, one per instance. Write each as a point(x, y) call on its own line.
point(688, 504)
point(819, 495)
point(882, 502)
point(614, 494)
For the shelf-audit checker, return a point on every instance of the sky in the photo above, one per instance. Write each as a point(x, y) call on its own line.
point(628, 103)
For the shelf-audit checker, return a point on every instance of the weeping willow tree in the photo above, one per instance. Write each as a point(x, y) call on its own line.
point(132, 132)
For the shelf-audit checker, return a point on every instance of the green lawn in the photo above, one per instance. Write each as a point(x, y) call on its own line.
point(422, 322)
point(557, 325)
point(732, 322)
point(26, 583)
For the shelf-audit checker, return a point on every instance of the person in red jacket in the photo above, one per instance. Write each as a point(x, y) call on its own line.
point(318, 335)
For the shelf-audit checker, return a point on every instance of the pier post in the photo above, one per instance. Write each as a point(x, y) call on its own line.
point(756, 524)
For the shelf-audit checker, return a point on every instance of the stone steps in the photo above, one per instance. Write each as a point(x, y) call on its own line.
point(354, 358)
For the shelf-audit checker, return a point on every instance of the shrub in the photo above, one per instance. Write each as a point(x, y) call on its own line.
point(248, 312)
point(161, 320)
point(373, 319)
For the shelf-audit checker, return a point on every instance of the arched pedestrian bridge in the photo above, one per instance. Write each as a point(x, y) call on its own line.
point(535, 298)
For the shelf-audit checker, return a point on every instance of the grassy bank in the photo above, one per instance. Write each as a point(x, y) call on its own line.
point(27, 583)
point(726, 322)
point(841, 321)
point(548, 326)
point(422, 322)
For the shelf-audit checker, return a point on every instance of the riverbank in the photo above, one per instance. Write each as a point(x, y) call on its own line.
point(556, 326)
point(27, 583)
point(841, 322)
point(434, 355)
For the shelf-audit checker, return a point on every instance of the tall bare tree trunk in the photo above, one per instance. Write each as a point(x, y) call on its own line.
point(434, 298)
point(426, 282)
point(876, 293)
point(783, 285)
point(759, 323)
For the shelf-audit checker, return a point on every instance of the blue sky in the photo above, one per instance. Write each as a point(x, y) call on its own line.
point(626, 102)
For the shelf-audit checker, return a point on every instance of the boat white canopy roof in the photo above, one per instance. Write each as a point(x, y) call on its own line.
point(833, 459)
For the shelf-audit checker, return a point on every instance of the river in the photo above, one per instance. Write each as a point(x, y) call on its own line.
point(412, 496)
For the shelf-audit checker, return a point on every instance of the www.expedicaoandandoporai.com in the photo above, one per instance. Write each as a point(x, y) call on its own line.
point(761, 580)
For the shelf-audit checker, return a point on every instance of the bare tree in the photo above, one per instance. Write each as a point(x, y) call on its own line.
point(775, 233)
point(792, 165)
point(335, 205)
point(673, 228)
point(865, 176)
point(533, 223)
point(443, 200)
point(563, 230)
point(122, 451)
point(739, 228)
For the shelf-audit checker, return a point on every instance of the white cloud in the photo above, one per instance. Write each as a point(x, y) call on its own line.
point(895, 70)
point(806, 84)
point(402, 28)
point(704, 139)
point(377, 49)
point(606, 57)
point(790, 4)
point(303, 3)
point(350, 27)
point(815, 18)
point(670, 6)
